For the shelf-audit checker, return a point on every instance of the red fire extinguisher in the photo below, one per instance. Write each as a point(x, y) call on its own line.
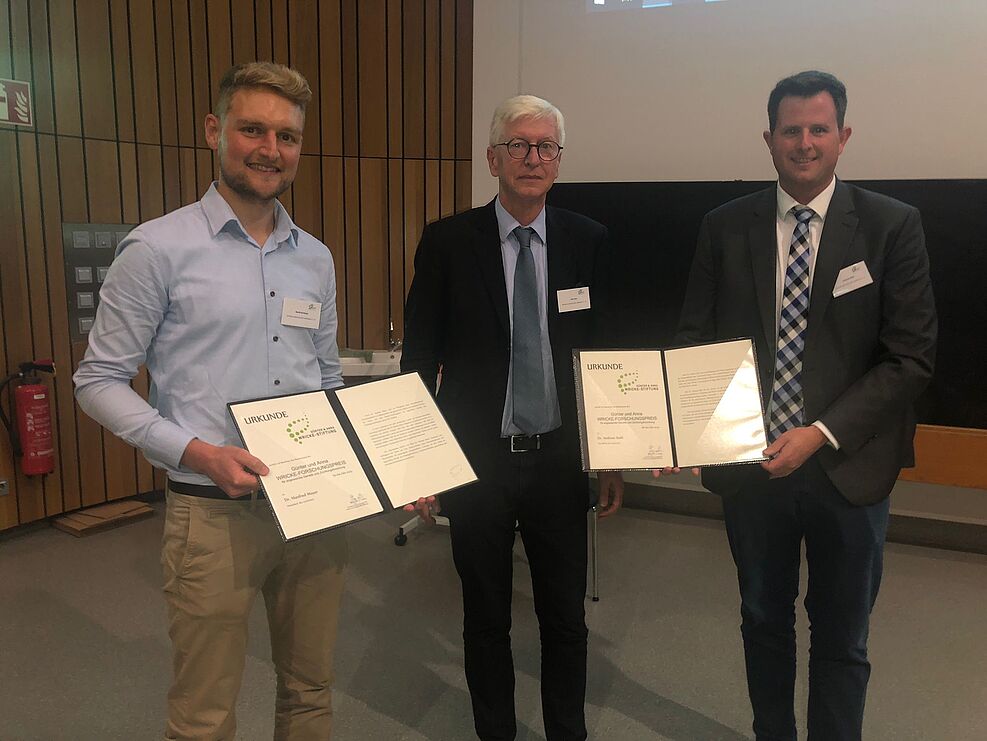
point(31, 434)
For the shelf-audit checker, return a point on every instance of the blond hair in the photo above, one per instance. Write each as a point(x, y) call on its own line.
point(285, 81)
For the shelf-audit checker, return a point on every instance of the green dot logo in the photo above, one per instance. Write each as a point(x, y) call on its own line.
point(296, 428)
point(626, 381)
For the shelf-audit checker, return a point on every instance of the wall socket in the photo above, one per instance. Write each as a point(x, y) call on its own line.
point(4, 488)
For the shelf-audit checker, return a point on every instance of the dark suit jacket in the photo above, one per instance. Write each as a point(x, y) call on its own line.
point(457, 318)
point(868, 353)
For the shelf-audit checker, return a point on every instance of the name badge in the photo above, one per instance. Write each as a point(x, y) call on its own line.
point(297, 312)
point(573, 299)
point(851, 278)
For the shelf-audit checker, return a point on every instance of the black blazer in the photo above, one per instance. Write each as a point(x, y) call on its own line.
point(868, 353)
point(457, 318)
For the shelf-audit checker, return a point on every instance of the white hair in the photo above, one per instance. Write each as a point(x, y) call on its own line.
point(524, 106)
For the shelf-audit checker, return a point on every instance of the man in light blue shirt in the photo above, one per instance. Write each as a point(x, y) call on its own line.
point(201, 296)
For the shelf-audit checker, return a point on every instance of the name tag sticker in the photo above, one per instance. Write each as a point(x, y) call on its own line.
point(851, 278)
point(297, 312)
point(573, 299)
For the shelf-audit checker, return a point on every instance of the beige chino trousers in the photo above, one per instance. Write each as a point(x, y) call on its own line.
point(217, 555)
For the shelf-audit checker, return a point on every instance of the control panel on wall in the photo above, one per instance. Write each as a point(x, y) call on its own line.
point(88, 250)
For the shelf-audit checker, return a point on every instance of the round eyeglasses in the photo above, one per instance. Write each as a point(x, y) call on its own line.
point(518, 149)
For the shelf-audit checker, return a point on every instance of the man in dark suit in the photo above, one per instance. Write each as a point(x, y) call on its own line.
point(832, 282)
point(501, 296)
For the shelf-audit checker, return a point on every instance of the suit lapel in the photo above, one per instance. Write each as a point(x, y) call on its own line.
point(762, 239)
point(486, 248)
point(561, 268)
point(838, 231)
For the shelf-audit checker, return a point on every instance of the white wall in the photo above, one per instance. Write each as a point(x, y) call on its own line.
point(679, 93)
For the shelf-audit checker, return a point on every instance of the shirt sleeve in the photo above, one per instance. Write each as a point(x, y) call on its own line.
point(133, 302)
point(326, 345)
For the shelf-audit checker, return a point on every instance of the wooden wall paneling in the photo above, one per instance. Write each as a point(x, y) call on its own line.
point(6, 50)
point(64, 404)
point(106, 206)
point(279, 31)
point(950, 456)
point(65, 67)
point(432, 86)
point(49, 488)
point(374, 252)
point(307, 201)
point(414, 214)
point(262, 29)
point(202, 90)
point(96, 87)
point(447, 188)
point(220, 41)
point(145, 74)
point(395, 79)
point(205, 171)
point(159, 479)
point(464, 185)
point(182, 53)
point(464, 79)
point(129, 190)
point(395, 244)
point(122, 73)
point(172, 178)
point(432, 206)
point(165, 52)
point(372, 96)
point(333, 234)
point(330, 79)
point(8, 504)
point(75, 208)
point(351, 227)
point(244, 31)
point(44, 106)
point(447, 79)
point(350, 78)
point(150, 181)
point(414, 78)
point(187, 175)
point(17, 308)
point(304, 53)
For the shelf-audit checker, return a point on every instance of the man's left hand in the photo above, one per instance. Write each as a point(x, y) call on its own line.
point(792, 449)
point(611, 492)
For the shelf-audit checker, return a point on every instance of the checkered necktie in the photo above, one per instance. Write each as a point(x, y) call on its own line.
point(528, 373)
point(786, 395)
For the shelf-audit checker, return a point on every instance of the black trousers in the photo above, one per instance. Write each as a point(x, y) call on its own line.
point(844, 545)
point(545, 493)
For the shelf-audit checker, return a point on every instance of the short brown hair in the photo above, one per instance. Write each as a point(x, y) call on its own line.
point(285, 81)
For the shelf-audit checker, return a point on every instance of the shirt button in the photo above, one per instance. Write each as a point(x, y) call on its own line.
point(277, 382)
point(272, 294)
point(275, 338)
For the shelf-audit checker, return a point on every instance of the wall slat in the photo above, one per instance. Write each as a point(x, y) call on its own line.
point(165, 53)
point(44, 105)
point(122, 73)
point(373, 78)
point(374, 252)
point(96, 70)
point(65, 67)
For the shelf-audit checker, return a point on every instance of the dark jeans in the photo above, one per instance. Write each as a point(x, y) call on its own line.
point(766, 523)
point(545, 494)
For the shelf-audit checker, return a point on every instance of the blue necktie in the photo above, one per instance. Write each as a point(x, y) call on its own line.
point(528, 373)
point(786, 395)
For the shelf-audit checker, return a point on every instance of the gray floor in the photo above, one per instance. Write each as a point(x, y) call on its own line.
point(84, 654)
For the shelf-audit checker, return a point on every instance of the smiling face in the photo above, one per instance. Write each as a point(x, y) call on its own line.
point(524, 183)
point(806, 144)
point(259, 143)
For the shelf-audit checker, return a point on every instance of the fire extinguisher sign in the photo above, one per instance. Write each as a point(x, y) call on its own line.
point(15, 103)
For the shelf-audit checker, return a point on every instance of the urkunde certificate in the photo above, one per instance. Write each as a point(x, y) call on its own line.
point(328, 468)
point(688, 406)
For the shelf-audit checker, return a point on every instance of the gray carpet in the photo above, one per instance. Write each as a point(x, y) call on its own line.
point(84, 653)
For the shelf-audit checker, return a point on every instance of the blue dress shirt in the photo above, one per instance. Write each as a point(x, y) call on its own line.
point(198, 301)
point(509, 249)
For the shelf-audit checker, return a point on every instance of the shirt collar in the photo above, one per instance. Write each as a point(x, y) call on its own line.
point(507, 223)
point(220, 217)
point(819, 204)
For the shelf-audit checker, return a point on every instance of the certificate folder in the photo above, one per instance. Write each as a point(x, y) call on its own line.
point(685, 406)
point(339, 456)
